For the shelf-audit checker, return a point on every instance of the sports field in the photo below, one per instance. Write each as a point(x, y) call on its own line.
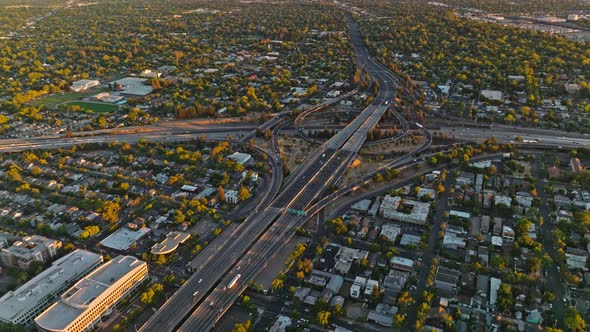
point(94, 107)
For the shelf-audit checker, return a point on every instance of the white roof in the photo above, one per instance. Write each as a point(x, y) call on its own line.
point(80, 297)
point(370, 285)
point(59, 275)
point(402, 261)
point(239, 157)
point(460, 214)
point(506, 200)
point(135, 86)
point(390, 231)
point(123, 238)
point(497, 240)
point(362, 205)
point(451, 239)
point(170, 243)
point(426, 191)
point(494, 286)
point(492, 94)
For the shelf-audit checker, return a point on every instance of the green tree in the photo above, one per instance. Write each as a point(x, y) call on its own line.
point(505, 300)
point(573, 320)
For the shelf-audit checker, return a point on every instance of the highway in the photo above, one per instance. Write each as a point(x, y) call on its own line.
point(161, 134)
point(508, 135)
point(321, 171)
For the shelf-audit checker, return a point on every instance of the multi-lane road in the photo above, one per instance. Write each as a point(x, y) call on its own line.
point(508, 134)
point(322, 170)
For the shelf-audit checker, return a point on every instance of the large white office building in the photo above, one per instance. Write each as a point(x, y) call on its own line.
point(82, 305)
point(21, 306)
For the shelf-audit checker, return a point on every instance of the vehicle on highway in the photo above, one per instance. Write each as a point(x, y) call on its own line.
point(234, 280)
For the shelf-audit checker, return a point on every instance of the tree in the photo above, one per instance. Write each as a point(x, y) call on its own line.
point(179, 217)
point(505, 299)
point(89, 231)
point(405, 299)
point(13, 173)
point(323, 317)
point(573, 320)
point(246, 301)
point(169, 280)
point(147, 297)
point(378, 177)
point(440, 188)
point(110, 211)
point(498, 262)
point(277, 283)
point(267, 134)
point(221, 194)
point(243, 327)
point(243, 194)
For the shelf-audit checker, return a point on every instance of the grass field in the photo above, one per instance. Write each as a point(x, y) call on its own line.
point(95, 107)
point(54, 100)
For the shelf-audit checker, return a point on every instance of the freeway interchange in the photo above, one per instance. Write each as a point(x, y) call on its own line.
point(268, 229)
point(213, 286)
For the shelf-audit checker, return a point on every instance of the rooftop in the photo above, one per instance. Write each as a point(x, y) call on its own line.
point(402, 261)
point(240, 158)
point(134, 86)
point(170, 243)
point(46, 283)
point(123, 238)
point(362, 205)
point(390, 231)
point(79, 297)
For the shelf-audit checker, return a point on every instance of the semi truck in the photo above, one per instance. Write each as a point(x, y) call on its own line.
point(233, 281)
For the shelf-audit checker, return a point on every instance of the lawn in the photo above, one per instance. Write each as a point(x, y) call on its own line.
point(95, 107)
point(54, 100)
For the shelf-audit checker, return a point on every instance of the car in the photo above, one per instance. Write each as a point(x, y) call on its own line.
point(200, 280)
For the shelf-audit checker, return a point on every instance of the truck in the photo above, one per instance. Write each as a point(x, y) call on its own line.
point(233, 281)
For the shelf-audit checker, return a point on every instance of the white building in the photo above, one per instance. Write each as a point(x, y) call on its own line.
point(390, 232)
point(124, 238)
point(357, 287)
point(426, 191)
point(371, 284)
point(34, 248)
point(453, 241)
point(231, 196)
point(82, 306)
point(170, 243)
point(418, 214)
point(82, 85)
point(21, 306)
point(240, 158)
point(492, 95)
